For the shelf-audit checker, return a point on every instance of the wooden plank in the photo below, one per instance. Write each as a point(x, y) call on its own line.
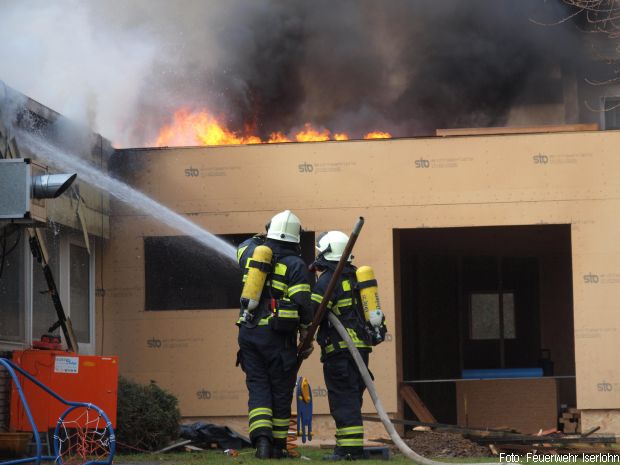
point(415, 403)
point(516, 130)
point(549, 449)
point(591, 430)
point(444, 427)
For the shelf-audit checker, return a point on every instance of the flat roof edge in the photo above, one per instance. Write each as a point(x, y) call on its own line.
point(509, 130)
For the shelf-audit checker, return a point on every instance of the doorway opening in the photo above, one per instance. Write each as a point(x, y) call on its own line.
point(489, 299)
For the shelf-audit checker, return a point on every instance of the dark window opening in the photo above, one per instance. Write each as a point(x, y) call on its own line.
point(181, 274)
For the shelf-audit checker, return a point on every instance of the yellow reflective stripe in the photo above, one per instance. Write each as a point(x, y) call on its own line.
point(260, 424)
point(247, 262)
point(280, 269)
point(344, 302)
point(335, 311)
point(318, 298)
point(259, 411)
point(330, 305)
point(278, 285)
point(358, 344)
point(350, 430)
point(353, 335)
point(240, 252)
point(279, 434)
point(288, 313)
point(343, 345)
point(350, 442)
point(346, 285)
point(280, 421)
point(298, 288)
point(245, 277)
point(262, 321)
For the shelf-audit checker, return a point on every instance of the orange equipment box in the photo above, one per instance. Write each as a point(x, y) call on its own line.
point(75, 378)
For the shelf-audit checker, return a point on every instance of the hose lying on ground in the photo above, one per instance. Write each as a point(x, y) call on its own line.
point(389, 427)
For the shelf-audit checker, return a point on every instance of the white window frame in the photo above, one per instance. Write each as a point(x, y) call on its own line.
point(63, 282)
point(24, 249)
point(63, 285)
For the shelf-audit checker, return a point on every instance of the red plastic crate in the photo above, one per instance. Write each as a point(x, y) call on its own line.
point(76, 378)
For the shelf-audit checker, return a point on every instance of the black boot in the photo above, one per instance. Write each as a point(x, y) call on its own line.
point(263, 447)
point(278, 453)
point(346, 453)
point(278, 450)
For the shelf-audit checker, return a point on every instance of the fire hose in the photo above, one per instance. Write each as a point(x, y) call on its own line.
point(385, 419)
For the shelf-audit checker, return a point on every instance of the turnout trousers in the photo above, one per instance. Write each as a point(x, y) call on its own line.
point(269, 361)
point(345, 388)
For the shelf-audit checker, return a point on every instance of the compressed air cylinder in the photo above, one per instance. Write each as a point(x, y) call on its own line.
point(369, 294)
point(257, 273)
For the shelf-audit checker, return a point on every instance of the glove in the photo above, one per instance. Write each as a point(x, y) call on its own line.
point(303, 334)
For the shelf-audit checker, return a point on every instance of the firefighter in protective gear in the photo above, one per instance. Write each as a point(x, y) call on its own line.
point(345, 386)
point(267, 332)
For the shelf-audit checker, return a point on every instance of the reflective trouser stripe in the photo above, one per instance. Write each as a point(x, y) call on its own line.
point(350, 436)
point(350, 442)
point(349, 430)
point(260, 417)
point(260, 424)
point(259, 411)
point(280, 428)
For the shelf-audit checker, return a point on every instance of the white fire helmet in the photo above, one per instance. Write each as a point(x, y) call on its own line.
point(285, 226)
point(332, 244)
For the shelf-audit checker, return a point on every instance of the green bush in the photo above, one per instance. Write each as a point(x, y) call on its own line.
point(147, 418)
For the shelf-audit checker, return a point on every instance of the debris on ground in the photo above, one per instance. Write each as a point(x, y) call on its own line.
point(443, 444)
point(207, 435)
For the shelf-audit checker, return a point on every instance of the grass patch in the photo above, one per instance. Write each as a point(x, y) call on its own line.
point(246, 457)
point(315, 455)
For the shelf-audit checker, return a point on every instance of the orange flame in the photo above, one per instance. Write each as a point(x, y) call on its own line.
point(200, 128)
point(378, 135)
point(309, 134)
point(276, 137)
point(203, 128)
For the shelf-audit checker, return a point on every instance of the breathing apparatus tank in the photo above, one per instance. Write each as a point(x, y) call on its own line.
point(258, 268)
point(369, 295)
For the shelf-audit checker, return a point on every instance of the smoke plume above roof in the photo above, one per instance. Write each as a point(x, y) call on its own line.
point(124, 67)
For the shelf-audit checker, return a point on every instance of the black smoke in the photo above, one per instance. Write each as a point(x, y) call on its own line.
point(407, 67)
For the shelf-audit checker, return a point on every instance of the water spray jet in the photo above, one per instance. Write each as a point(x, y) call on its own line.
point(123, 192)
